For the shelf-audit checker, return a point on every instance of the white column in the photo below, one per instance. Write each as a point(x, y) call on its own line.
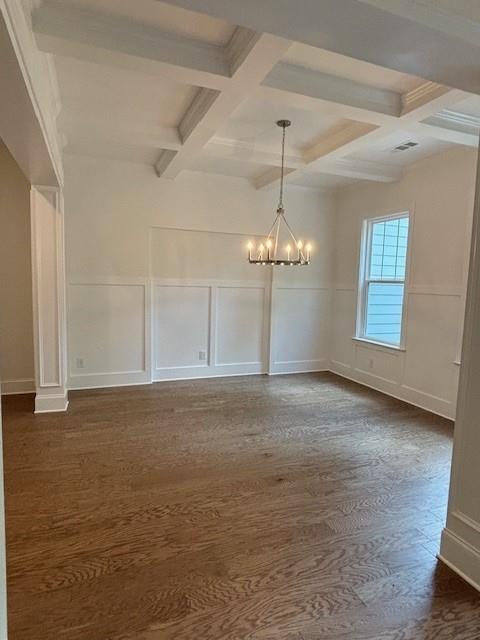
point(460, 547)
point(48, 279)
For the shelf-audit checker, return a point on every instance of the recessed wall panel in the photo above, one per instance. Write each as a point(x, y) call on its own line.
point(106, 328)
point(239, 325)
point(181, 326)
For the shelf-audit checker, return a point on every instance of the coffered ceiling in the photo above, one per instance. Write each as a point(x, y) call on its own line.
point(162, 85)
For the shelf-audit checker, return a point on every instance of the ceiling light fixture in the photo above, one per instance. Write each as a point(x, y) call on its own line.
point(267, 252)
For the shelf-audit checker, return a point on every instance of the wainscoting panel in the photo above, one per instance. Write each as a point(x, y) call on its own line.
point(107, 333)
point(425, 373)
point(239, 326)
point(343, 326)
point(207, 328)
point(431, 341)
point(300, 323)
point(378, 363)
point(181, 320)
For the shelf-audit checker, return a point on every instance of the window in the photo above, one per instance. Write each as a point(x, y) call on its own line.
point(382, 279)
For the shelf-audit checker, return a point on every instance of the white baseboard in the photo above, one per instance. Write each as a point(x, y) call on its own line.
point(12, 387)
point(417, 398)
point(204, 371)
point(101, 380)
point(51, 403)
point(299, 366)
point(461, 557)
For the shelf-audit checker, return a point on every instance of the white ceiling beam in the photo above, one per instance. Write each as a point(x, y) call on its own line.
point(436, 128)
point(78, 33)
point(75, 125)
point(359, 169)
point(365, 170)
point(338, 140)
point(268, 178)
point(426, 48)
point(251, 56)
point(422, 95)
point(326, 88)
point(250, 152)
point(335, 143)
point(350, 136)
point(325, 108)
point(345, 167)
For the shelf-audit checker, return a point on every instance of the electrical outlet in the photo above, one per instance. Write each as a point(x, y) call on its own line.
point(202, 355)
point(80, 363)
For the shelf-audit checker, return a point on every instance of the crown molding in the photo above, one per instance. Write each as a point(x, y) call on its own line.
point(423, 94)
point(464, 120)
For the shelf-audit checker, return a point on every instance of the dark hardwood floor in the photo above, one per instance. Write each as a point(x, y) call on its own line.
point(286, 508)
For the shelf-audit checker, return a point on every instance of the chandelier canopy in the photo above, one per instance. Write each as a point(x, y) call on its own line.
point(269, 252)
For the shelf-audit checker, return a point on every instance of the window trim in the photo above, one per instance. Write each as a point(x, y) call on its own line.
point(363, 281)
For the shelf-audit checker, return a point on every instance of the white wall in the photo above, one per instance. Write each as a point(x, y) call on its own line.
point(16, 323)
point(158, 286)
point(460, 547)
point(157, 277)
point(439, 193)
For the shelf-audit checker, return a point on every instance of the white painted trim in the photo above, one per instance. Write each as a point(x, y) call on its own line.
point(17, 387)
point(461, 557)
point(95, 379)
point(108, 379)
point(466, 520)
point(112, 386)
point(299, 366)
point(380, 345)
point(441, 407)
point(433, 290)
point(429, 396)
point(26, 51)
point(89, 35)
point(219, 284)
point(301, 287)
point(51, 403)
point(49, 390)
point(338, 363)
point(364, 276)
point(187, 373)
point(328, 88)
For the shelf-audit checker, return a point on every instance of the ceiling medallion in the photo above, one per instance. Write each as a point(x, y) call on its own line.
point(268, 252)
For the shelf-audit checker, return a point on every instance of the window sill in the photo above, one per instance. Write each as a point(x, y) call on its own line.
point(382, 345)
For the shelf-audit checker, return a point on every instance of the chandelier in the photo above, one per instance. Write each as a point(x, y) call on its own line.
point(268, 252)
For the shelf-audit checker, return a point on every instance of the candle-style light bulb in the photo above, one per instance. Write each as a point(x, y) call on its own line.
point(250, 247)
point(269, 246)
point(289, 248)
point(299, 246)
point(308, 249)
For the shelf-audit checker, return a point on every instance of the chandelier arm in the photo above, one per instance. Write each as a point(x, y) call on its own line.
point(269, 234)
point(293, 236)
point(277, 233)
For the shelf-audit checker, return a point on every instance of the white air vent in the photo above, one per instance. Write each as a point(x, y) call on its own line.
point(405, 146)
